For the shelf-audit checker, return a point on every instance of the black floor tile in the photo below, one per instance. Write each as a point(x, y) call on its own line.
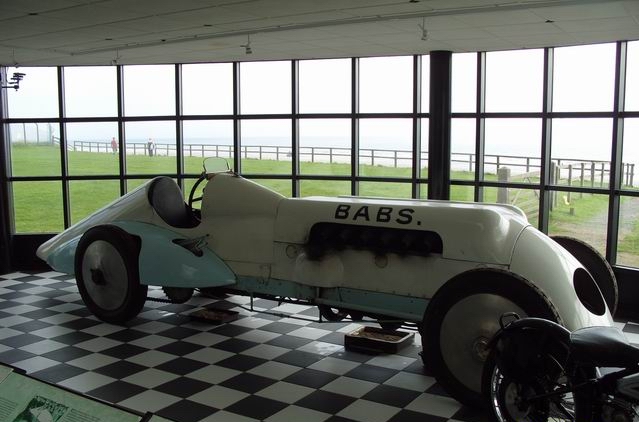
point(241, 362)
point(299, 358)
point(248, 383)
point(333, 338)
point(352, 356)
point(467, 414)
point(12, 356)
point(324, 401)
point(66, 354)
point(80, 323)
point(27, 327)
point(234, 345)
point(279, 327)
point(178, 333)
point(310, 378)
point(371, 373)
point(230, 330)
point(58, 373)
point(289, 342)
point(180, 348)
point(126, 335)
point(116, 391)
point(124, 351)
point(120, 369)
point(39, 314)
point(182, 387)
point(392, 396)
point(256, 407)
point(410, 416)
point(181, 366)
point(186, 411)
point(21, 340)
point(74, 337)
point(47, 303)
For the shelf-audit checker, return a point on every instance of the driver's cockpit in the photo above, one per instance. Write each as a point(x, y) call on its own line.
point(166, 199)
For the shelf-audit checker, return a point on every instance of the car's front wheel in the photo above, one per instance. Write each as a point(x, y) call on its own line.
point(106, 271)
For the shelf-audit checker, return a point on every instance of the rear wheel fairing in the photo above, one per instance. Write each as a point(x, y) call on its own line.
point(550, 268)
point(164, 263)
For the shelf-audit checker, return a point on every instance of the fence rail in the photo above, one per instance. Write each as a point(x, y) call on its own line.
point(572, 172)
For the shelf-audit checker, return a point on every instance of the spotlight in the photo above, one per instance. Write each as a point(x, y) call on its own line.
point(247, 46)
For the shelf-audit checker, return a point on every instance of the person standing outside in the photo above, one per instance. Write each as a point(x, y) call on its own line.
point(114, 145)
point(150, 147)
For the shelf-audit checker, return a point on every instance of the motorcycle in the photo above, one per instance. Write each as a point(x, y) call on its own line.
point(537, 370)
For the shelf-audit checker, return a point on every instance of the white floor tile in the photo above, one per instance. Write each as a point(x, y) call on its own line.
point(265, 351)
point(349, 386)
point(151, 358)
point(411, 381)
point(368, 411)
point(150, 378)
point(274, 370)
point(213, 374)
point(149, 401)
point(296, 413)
point(334, 365)
point(285, 392)
point(309, 332)
point(321, 348)
point(87, 382)
point(218, 396)
point(434, 405)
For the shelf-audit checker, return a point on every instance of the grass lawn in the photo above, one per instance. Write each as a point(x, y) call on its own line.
point(38, 205)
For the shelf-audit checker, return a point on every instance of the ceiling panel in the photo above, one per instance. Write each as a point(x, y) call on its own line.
point(97, 31)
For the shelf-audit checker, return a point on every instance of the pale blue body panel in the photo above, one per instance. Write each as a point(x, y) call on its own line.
point(164, 263)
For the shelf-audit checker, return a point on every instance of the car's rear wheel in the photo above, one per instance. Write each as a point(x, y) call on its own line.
point(106, 271)
point(463, 316)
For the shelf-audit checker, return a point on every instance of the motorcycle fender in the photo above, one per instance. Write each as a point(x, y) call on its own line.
point(165, 263)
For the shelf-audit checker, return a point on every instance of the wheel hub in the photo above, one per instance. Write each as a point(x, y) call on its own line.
point(480, 349)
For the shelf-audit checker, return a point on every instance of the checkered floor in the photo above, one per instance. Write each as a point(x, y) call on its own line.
point(259, 367)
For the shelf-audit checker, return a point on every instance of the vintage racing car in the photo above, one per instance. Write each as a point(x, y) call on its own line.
point(452, 268)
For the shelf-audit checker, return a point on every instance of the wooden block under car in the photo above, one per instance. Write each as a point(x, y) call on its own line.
point(215, 316)
point(377, 340)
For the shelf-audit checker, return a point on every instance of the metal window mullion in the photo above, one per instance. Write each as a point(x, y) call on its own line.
point(295, 129)
point(237, 124)
point(417, 126)
point(64, 164)
point(480, 126)
point(179, 142)
point(6, 199)
point(546, 141)
point(616, 173)
point(121, 129)
point(354, 126)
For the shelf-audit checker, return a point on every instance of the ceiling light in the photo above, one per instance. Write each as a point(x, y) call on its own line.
point(247, 46)
point(424, 30)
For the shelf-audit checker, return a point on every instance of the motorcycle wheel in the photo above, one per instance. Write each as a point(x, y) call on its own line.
point(513, 401)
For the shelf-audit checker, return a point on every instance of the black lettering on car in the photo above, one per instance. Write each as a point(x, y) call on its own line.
point(341, 212)
point(405, 216)
point(384, 214)
point(362, 212)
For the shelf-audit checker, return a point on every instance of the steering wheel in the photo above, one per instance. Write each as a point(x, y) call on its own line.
point(192, 197)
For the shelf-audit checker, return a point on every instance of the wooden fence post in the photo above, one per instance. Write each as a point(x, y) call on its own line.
point(581, 178)
point(592, 174)
point(503, 176)
point(569, 181)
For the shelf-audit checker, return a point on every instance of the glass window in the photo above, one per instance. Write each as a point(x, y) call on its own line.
point(325, 86)
point(582, 216)
point(632, 77)
point(38, 207)
point(88, 196)
point(149, 90)
point(90, 91)
point(628, 242)
point(630, 160)
point(514, 80)
point(385, 147)
point(584, 78)
point(265, 87)
point(464, 83)
point(281, 186)
point(324, 188)
point(462, 139)
point(386, 85)
point(206, 138)
point(578, 143)
point(423, 160)
point(207, 88)
point(526, 199)
point(385, 189)
point(512, 149)
point(266, 146)
point(150, 147)
point(35, 149)
point(425, 84)
point(325, 146)
point(462, 193)
point(38, 93)
point(93, 148)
